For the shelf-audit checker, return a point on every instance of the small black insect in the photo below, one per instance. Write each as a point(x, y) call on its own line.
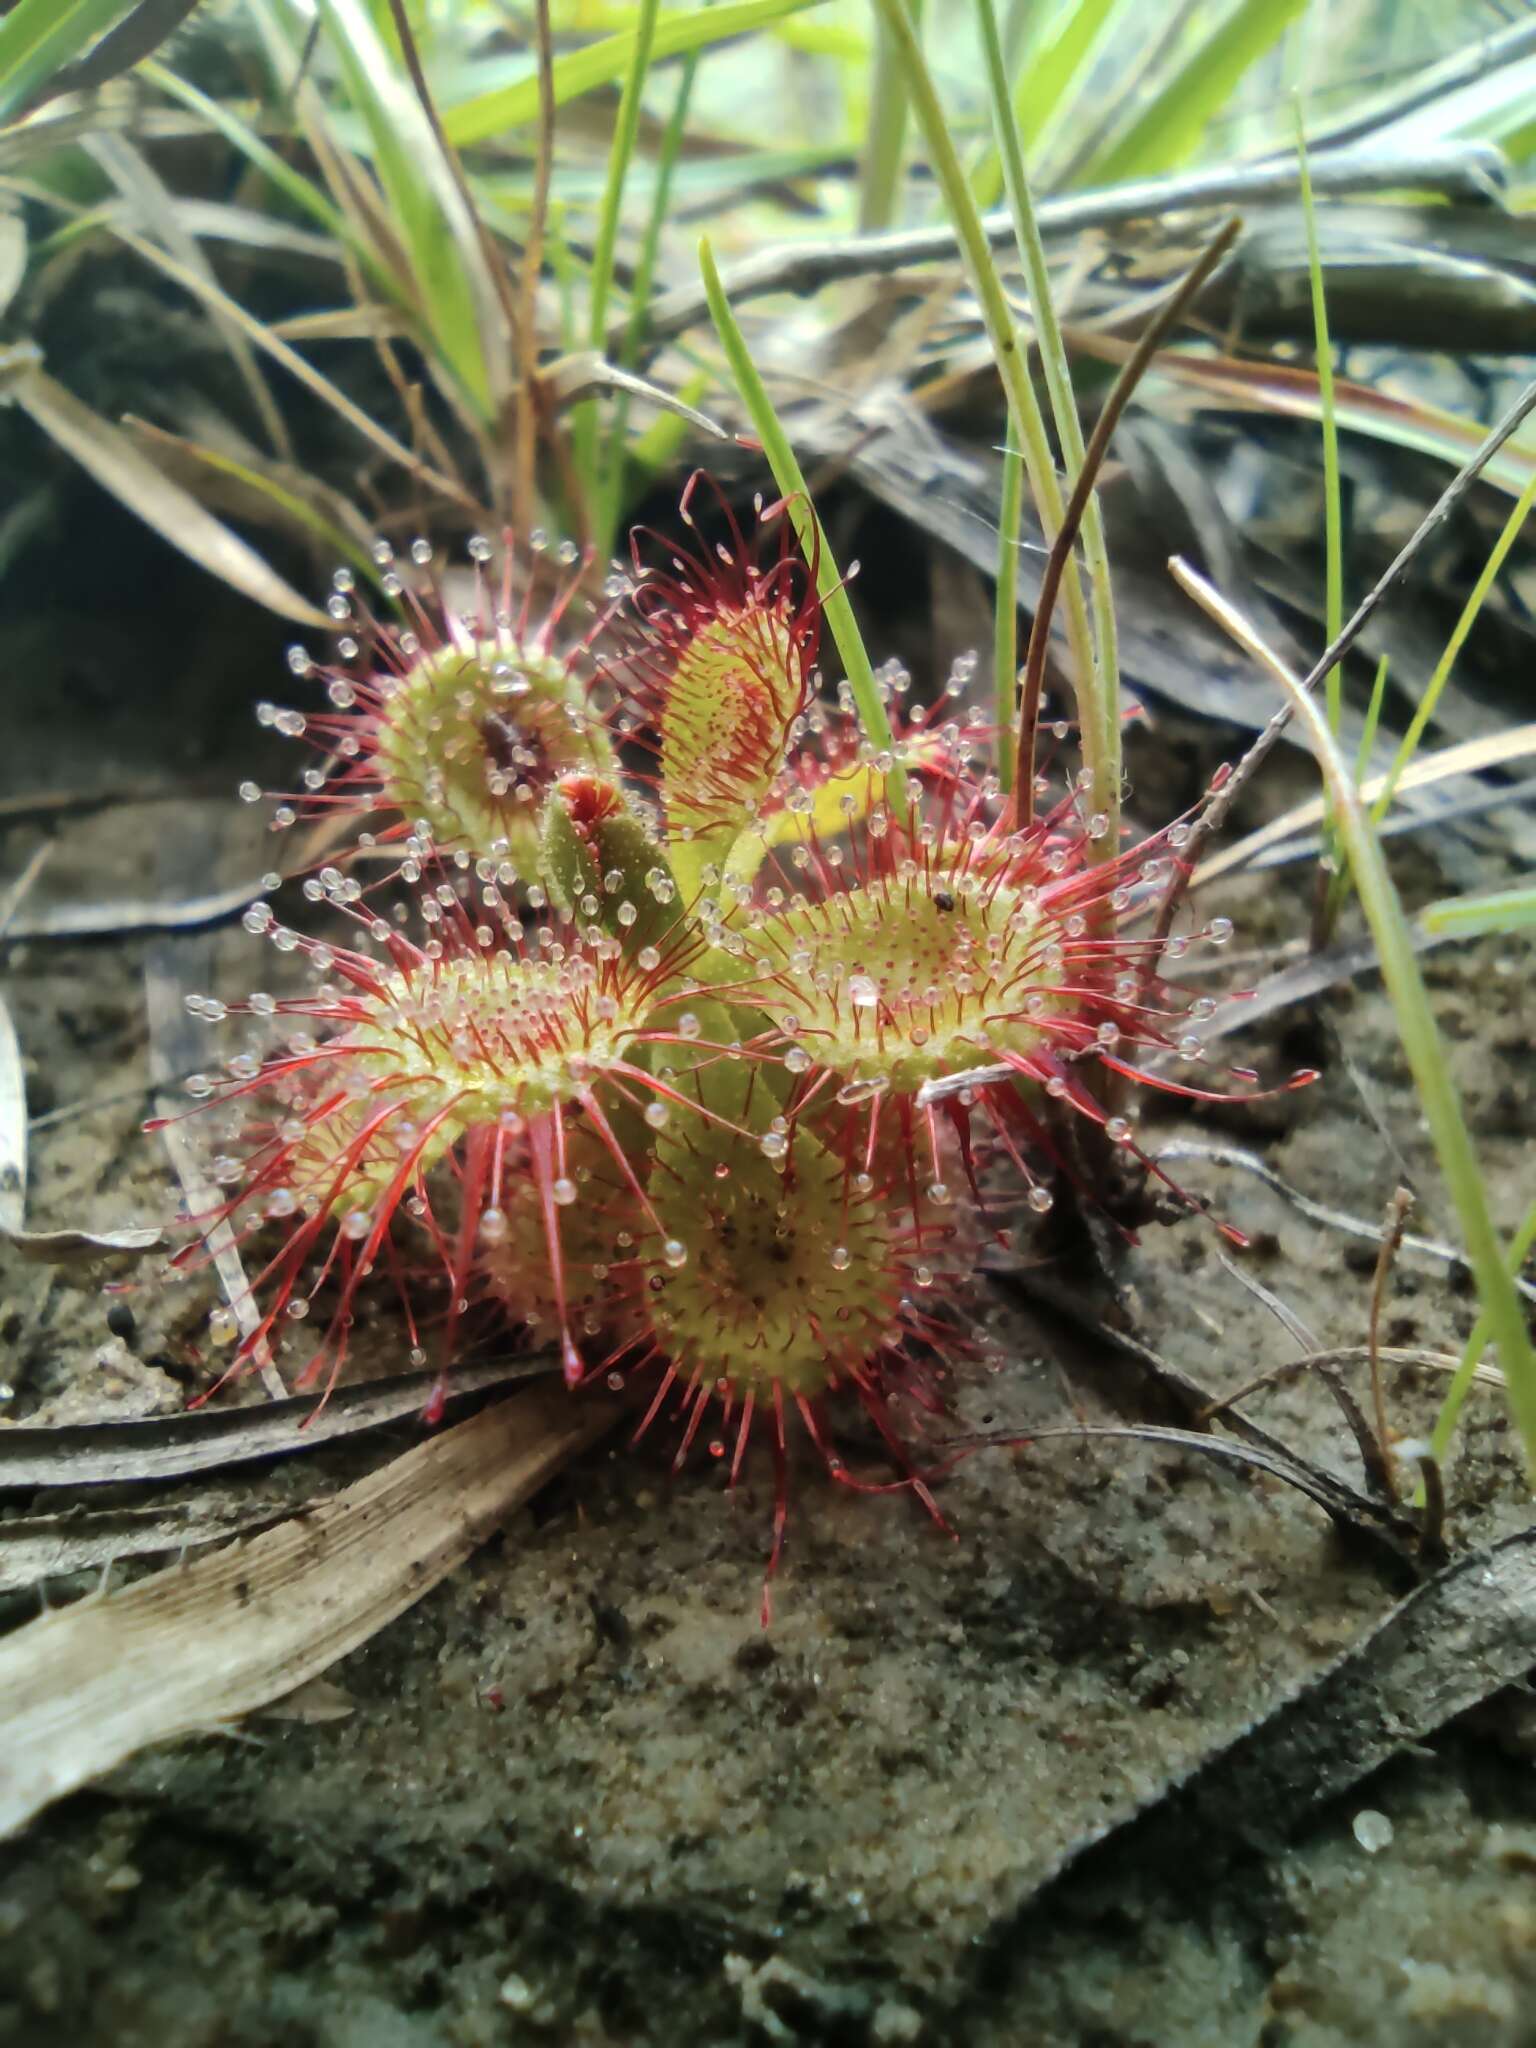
point(942, 900)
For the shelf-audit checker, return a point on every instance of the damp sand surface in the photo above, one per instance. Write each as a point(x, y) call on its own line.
point(578, 1794)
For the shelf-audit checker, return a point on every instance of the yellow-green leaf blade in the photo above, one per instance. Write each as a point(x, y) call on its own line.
point(602, 63)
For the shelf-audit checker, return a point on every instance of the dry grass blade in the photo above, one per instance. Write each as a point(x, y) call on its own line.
point(106, 454)
point(577, 376)
point(195, 1647)
point(13, 255)
point(1390, 1535)
point(1345, 1355)
point(35, 1548)
point(13, 1128)
point(82, 1247)
point(1186, 1149)
point(298, 366)
point(213, 1440)
point(1330, 1494)
point(171, 1048)
point(1452, 1643)
point(1226, 788)
point(119, 920)
point(1467, 757)
point(49, 1247)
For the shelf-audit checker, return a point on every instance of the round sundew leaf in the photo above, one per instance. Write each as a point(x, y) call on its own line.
point(904, 979)
point(471, 738)
point(598, 1231)
point(787, 1279)
point(736, 688)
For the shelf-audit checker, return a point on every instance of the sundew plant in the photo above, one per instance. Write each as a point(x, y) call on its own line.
point(647, 1019)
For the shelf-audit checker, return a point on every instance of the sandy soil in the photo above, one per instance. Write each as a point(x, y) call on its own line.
point(579, 1795)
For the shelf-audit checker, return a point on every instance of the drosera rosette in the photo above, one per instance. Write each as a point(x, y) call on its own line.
point(449, 725)
point(719, 1074)
point(474, 1049)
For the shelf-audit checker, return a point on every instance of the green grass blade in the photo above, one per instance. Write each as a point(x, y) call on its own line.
point(1424, 710)
point(1050, 75)
point(1416, 1026)
point(1337, 894)
point(1477, 1343)
point(624, 132)
point(611, 494)
point(1005, 628)
point(802, 513)
point(880, 179)
point(1333, 518)
point(1102, 753)
point(1050, 63)
point(584, 425)
point(493, 113)
point(1333, 612)
point(1468, 917)
point(1168, 130)
point(302, 191)
point(457, 299)
point(1024, 406)
point(1372, 722)
point(38, 37)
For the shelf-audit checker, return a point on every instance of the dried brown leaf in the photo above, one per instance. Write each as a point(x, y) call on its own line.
point(107, 454)
point(200, 1645)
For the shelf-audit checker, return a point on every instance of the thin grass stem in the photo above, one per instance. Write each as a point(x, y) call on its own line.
point(1416, 1024)
point(610, 495)
point(885, 145)
point(1005, 631)
point(1057, 371)
point(625, 129)
point(1103, 790)
point(1477, 1343)
point(1333, 513)
point(802, 514)
point(1424, 711)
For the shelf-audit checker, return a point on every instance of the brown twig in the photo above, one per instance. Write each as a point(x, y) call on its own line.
point(1432, 1539)
point(1394, 1225)
point(1323, 1361)
point(1130, 376)
point(1456, 170)
point(1230, 783)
